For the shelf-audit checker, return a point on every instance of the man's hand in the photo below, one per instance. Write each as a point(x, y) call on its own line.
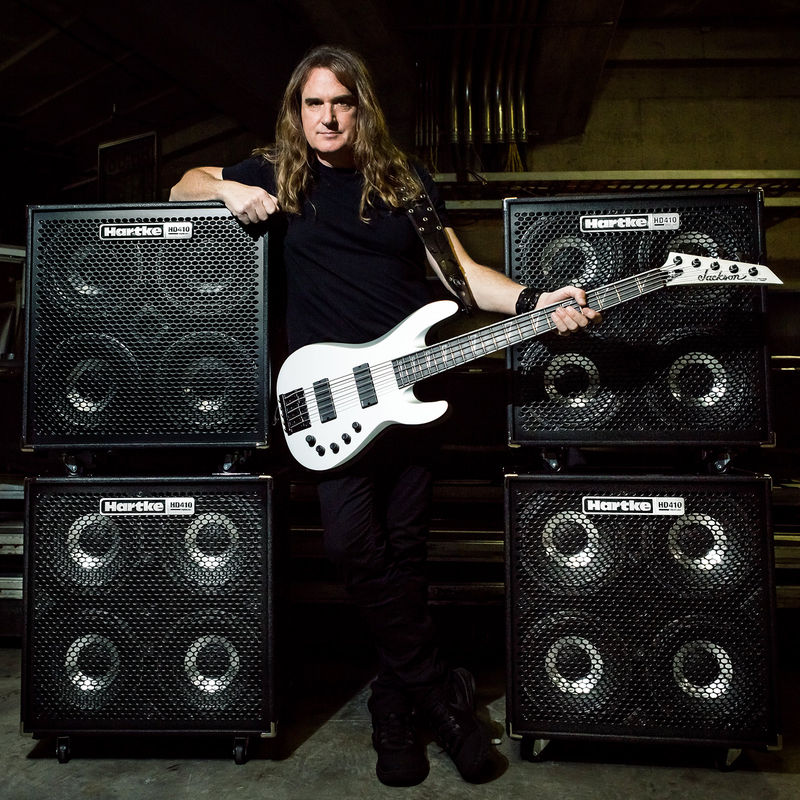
point(569, 319)
point(249, 204)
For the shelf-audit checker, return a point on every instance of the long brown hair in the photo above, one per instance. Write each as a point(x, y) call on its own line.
point(387, 173)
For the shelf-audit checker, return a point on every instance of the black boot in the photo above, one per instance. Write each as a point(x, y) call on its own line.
point(403, 631)
point(402, 760)
point(449, 711)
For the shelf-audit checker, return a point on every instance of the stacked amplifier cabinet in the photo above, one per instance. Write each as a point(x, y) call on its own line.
point(149, 607)
point(146, 326)
point(640, 607)
point(148, 600)
point(685, 365)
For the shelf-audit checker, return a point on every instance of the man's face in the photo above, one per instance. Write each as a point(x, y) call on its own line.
point(328, 112)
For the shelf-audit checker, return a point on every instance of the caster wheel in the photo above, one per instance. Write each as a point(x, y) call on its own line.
point(725, 760)
point(62, 749)
point(533, 749)
point(240, 749)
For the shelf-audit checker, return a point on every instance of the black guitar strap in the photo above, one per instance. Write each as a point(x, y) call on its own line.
point(434, 237)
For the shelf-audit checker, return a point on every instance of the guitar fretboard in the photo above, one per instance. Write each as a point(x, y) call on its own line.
point(437, 358)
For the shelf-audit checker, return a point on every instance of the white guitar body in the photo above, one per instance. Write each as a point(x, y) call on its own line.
point(326, 444)
point(334, 399)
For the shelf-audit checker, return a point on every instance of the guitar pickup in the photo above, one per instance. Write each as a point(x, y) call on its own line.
point(365, 386)
point(325, 407)
point(294, 411)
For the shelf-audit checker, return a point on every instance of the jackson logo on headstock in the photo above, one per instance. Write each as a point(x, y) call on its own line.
point(620, 223)
point(139, 231)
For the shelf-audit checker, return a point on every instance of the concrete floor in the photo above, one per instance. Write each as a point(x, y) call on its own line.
point(323, 748)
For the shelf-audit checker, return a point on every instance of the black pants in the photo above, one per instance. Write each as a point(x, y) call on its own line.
point(375, 519)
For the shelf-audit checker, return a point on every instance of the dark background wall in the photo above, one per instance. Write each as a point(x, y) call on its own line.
point(686, 87)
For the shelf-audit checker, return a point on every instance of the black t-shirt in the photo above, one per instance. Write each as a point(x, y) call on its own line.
point(347, 280)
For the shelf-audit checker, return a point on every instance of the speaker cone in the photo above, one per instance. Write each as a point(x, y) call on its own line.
point(210, 658)
point(84, 549)
point(93, 663)
point(211, 550)
point(568, 553)
point(702, 553)
point(700, 384)
point(95, 377)
point(198, 273)
point(544, 246)
point(81, 278)
point(572, 666)
point(704, 671)
point(212, 378)
point(565, 388)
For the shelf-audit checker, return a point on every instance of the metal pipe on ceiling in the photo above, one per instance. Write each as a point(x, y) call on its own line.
point(521, 80)
point(487, 126)
point(500, 115)
point(468, 95)
point(455, 78)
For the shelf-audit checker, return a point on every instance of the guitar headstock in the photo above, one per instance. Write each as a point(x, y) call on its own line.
point(683, 269)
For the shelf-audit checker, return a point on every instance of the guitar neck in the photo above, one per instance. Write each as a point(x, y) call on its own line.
point(440, 357)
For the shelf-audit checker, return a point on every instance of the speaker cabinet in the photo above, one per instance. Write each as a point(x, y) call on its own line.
point(640, 608)
point(149, 606)
point(682, 365)
point(146, 325)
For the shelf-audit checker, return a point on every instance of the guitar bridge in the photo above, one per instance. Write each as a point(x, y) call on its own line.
point(294, 411)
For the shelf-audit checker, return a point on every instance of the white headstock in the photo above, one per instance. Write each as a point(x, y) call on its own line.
point(683, 269)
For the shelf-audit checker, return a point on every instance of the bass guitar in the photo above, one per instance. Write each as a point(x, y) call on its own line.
point(334, 399)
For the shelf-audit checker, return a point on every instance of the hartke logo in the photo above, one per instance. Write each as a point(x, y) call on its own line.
point(672, 506)
point(141, 506)
point(146, 231)
point(615, 223)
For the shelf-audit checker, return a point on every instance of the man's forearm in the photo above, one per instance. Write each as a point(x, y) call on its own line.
point(200, 183)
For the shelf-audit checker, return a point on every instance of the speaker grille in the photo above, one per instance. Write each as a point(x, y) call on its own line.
point(145, 341)
point(640, 625)
point(147, 621)
point(684, 364)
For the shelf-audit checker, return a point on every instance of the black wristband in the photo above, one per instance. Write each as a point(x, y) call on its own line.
point(527, 300)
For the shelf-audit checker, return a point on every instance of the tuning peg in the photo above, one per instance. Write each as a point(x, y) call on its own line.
point(734, 268)
point(696, 262)
point(753, 271)
point(715, 265)
point(677, 260)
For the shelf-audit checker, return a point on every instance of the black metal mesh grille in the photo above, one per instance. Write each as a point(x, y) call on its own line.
point(683, 364)
point(148, 622)
point(640, 626)
point(145, 342)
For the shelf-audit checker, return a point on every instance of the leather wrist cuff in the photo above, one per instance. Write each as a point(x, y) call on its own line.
point(527, 300)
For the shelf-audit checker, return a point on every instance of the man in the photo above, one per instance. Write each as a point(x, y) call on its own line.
point(355, 267)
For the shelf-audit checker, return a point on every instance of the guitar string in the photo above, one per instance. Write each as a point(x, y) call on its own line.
point(384, 375)
point(423, 365)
